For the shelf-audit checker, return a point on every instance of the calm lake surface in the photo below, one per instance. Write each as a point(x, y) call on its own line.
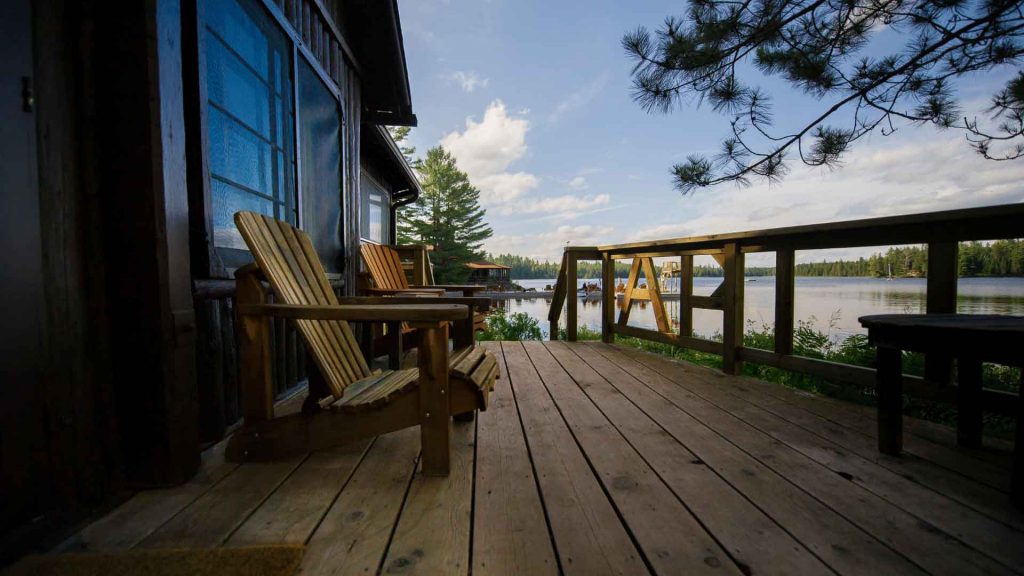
point(831, 304)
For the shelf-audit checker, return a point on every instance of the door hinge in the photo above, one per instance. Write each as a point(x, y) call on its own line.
point(28, 97)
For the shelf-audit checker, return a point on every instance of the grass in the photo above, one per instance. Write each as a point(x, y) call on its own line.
point(813, 343)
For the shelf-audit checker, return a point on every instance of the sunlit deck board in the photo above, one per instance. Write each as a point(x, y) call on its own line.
point(587, 533)
point(598, 459)
point(510, 535)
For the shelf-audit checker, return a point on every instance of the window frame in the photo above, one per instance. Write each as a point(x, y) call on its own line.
point(386, 207)
point(208, 260)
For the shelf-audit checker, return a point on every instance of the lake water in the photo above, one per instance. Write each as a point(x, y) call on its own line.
point(831, 304)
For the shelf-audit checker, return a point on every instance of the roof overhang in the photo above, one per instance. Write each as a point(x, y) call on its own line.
point(378, 147)
point(374, 31)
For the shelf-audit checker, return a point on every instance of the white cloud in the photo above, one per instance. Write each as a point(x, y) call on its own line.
point(556, 205)
point(489, 146)
point(578, 183)
point(505, 244)
point(505, 187)
point(579, 98)
point(469, 81)
point(660, 232)
point(581, 235)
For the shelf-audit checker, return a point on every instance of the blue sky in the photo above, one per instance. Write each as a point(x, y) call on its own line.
point(533, 98)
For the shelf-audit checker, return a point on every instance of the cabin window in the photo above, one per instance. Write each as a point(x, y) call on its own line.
point(375, 207)
point(249, 119)
point(320, 154)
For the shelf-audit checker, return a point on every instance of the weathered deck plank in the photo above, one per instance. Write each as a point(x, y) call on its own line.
point(929, 547)
point(130, 523)
point(834, 539)
point(354, 535)
point(673, 540)
point(926, 440)
point(977, 495)
point(211, 519)
point(968, 526)
point(433, 531)
point(510, 533)
point(589, 537)
point(751, 537)
point(599, 459)
point(295, 509)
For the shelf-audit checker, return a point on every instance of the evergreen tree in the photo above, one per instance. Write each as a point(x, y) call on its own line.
point(446, 216)
point(827, 49)
point(400, 134)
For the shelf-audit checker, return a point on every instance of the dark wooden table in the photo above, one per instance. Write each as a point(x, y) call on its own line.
point(971, 339)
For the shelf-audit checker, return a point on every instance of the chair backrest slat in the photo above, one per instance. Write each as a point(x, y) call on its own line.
point(287, 258)
point(385, 266)
point(351, 349)
point(317, 333)
point(314, 291)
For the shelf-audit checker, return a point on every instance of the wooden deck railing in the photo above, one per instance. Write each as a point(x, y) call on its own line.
point(940, 231)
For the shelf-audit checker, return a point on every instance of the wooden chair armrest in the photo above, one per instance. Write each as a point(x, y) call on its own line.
point(454, 287)
point(361, 312)
point(407, 291)
point(477, 302)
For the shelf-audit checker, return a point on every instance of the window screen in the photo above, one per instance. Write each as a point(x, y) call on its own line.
point(249, 117)
point(375, 206)
point(320, 154)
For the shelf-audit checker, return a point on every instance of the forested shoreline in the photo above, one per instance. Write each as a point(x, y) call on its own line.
point(999, 258)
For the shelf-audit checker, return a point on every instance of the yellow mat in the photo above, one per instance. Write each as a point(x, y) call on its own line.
point(249, 561)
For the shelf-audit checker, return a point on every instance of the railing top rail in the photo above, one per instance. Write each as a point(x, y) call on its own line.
point(986, 223)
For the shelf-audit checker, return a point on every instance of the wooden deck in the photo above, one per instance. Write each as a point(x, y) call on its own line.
point(597, 459)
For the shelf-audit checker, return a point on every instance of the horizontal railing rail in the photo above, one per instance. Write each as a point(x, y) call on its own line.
point(940, 231)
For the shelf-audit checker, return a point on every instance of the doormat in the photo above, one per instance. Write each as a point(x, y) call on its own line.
point(248, 561)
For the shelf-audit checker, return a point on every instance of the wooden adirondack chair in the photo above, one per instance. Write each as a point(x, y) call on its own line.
point(347, 400)
point(385, 268)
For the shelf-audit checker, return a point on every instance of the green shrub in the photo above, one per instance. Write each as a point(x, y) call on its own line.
point(515, 326)
point(583, 332)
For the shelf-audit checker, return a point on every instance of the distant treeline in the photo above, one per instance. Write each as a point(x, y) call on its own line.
point(999, 258)
point(525, 268)
point(704, 271)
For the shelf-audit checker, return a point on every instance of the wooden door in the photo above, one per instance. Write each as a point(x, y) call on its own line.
point(23, 448)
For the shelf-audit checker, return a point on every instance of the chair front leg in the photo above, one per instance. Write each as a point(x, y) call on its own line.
point(435, 407)
point(255, 374)
point(463, 332)
point(394, 340)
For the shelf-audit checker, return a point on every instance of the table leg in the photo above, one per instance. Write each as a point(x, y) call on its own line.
point(890, 400)
point(1017, 481)
point(968, 401)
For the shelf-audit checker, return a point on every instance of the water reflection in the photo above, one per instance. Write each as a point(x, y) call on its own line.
point(832, 304)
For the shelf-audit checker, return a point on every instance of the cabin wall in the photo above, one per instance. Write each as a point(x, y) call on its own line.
point(312, 32)
point(120, 348)
point(110, 404)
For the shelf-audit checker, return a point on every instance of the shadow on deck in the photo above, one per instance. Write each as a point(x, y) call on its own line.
point(598, 459)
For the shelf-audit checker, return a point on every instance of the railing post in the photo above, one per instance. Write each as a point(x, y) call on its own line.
point(785, 272)
point(557, 298)
point(686, 296)
point(607, 297)
point(940, 298)
point(732, 308)
point(572, 300)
